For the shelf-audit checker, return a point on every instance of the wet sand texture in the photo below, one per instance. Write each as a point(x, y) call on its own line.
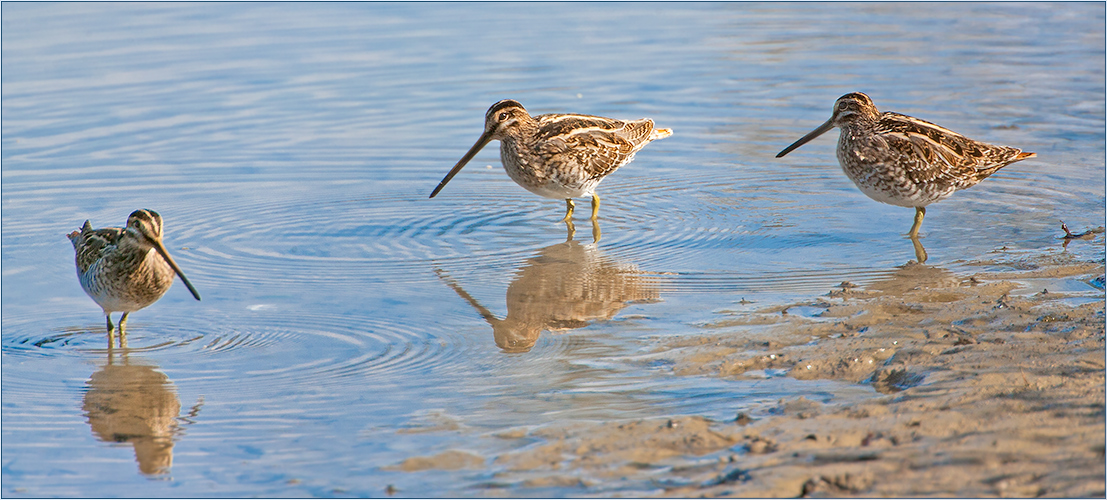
point(983, 390)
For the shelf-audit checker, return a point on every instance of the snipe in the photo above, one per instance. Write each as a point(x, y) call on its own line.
point(562, 156)
point(904, 161)
point(125, 269)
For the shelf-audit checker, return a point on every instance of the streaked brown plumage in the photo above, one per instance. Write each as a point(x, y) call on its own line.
point(125, 269)
point(905, 161)
point(561, 156)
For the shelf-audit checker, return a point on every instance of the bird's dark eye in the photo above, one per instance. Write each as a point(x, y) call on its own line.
point(503, 116)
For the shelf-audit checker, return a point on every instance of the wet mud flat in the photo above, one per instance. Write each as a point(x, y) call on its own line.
point(985, 385)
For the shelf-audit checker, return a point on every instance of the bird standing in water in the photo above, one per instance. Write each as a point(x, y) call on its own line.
point(562, 156)
point(904, 161)
point(125, 269)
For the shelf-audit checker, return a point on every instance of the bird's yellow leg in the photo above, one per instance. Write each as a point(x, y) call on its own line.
point(595, 205)
point(570, 230)
point(920, 212)
point(569, 206)
point(123, 331)
point(111, 332)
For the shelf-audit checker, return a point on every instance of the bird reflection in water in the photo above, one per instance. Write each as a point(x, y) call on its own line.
point(566, 286)
point(913, 277)
point(132, 402)
point(920, 252)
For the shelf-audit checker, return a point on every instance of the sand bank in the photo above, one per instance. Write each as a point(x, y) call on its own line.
point(985, 385)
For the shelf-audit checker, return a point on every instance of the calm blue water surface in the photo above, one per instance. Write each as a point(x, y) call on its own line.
point(348, 322)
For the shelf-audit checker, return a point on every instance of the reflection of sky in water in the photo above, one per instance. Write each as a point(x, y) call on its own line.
point(291, 148)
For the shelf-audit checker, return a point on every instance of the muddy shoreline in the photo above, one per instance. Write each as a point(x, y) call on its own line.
point(983, 388)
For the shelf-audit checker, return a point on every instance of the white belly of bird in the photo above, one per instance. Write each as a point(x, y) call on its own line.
point(895, 190)
point(556, 190)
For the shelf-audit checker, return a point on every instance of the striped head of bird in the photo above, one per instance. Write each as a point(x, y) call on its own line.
point(504, 119)
point(144, 230)
point(850, 110)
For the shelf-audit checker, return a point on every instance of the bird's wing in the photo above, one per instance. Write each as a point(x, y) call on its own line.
point(599, 145)
point(934, 154)
point(92, 244)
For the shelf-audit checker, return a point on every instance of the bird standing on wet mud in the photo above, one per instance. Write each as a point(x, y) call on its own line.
point(125, 269)
point(561, 156)
point(904, 161)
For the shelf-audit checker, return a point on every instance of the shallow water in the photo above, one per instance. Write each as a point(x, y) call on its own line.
point(349, 323)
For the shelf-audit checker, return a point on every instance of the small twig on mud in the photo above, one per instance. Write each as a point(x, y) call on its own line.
point(1069, 234)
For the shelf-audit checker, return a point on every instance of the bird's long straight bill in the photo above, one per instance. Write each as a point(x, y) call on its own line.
point(807, 138)
point(177, 269)
point(484, 138)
